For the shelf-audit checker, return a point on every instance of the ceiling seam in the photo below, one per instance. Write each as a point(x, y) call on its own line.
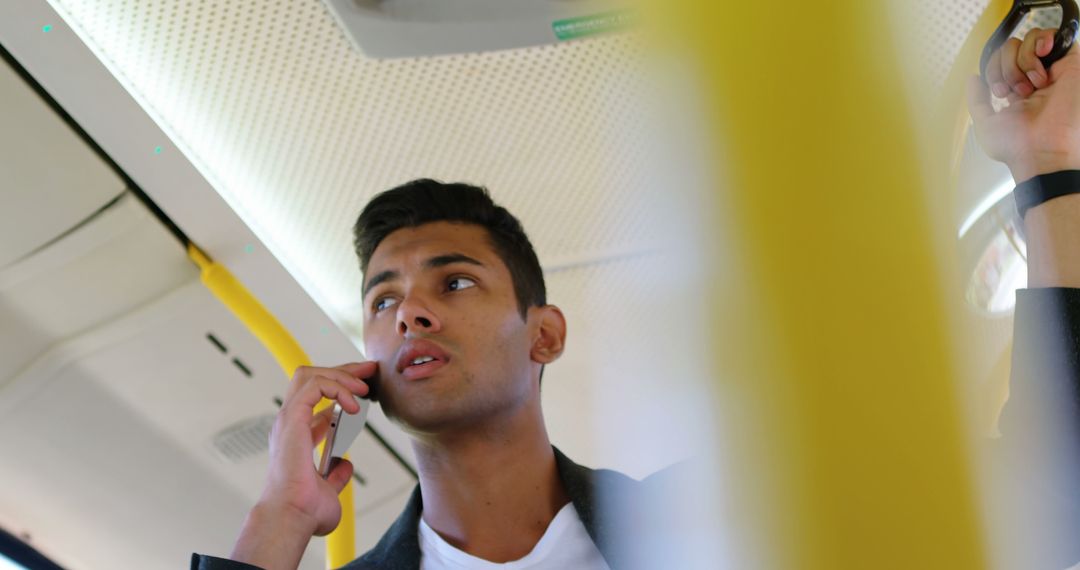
point(591, 258)
point(64, 234)
point(131, 185)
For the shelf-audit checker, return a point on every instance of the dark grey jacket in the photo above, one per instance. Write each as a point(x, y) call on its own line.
point(399, 548)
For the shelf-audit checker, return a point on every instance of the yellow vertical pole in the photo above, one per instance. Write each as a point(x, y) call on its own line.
point(953, 123)
point(851, 443)
point(341, 543)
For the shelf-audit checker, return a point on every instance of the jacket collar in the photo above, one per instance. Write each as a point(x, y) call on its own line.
point(399, 548)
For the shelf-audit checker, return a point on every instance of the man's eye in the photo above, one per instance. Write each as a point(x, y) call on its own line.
point(384, 303)
point(459, 283)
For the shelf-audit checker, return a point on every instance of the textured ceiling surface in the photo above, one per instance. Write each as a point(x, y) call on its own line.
point(297, 130)
point(943, 29)
point(944, 26)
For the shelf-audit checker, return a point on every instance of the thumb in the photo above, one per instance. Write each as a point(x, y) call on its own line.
point(1044, 42)
point(340, 475)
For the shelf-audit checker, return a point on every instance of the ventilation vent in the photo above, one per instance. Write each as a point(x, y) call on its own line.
point(413, 28)
point(245, 439)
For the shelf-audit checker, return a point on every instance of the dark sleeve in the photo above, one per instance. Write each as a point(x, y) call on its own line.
point(1034, 505)
point(1046, 362)
point(204, 562)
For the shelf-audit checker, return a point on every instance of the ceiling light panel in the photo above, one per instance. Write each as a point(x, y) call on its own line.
point(297, 130)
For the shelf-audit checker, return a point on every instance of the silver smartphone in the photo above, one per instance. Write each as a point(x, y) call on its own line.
point(344, 428)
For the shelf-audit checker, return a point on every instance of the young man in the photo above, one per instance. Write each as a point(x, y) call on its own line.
point(458, 331)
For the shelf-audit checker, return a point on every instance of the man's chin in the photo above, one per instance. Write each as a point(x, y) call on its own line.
point(428, 421)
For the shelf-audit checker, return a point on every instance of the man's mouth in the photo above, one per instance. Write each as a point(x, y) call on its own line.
point(419, 358)
point(422, 367)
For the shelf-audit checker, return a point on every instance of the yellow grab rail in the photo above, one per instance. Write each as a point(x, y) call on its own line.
point(341, 543)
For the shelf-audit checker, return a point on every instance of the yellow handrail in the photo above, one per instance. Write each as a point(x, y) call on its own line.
point(341, 543)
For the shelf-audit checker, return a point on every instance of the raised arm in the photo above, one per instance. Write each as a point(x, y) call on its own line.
point(1035, 506)
point(1037, 134)
point(296, 503)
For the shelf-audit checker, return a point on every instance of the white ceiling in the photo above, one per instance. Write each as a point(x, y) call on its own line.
point(37, 189)
point(297, 130)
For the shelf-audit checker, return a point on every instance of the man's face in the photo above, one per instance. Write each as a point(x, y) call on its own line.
point(442, 321)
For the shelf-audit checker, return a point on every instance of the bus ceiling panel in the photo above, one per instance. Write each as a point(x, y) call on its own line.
point(52, 180)
point(177, 180)
point(108, 267)
point(295, 130)
point(141, 405)
point(97, 486)
point(219, 404)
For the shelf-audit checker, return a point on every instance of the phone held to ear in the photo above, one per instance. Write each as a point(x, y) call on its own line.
point(344, 428)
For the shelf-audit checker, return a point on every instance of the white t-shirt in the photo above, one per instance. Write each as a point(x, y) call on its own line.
point(565, 544)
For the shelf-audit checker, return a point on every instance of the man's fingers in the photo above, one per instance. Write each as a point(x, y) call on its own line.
point(302, 405)
point(993, 75)
point(304, 373)
point(1016, 79)
point(360, 369)
point(1037, 43)
point(979, 104)
point(1044, 43)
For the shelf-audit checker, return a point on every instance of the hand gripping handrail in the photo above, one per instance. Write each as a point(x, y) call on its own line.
point(1063, 39)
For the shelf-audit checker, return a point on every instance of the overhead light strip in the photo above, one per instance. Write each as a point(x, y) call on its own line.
point(991, 200)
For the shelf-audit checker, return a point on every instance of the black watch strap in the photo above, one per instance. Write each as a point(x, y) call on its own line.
point(1045, 187)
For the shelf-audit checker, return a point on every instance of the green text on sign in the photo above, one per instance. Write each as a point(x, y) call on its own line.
point(588, 25)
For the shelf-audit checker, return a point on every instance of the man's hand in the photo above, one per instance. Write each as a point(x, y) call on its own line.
point(1039, 131)
point(296, 502)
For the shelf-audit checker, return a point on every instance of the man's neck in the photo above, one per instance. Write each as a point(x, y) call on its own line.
point(490, 495)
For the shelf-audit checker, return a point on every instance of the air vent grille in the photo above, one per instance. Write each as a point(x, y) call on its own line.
point(244, 440)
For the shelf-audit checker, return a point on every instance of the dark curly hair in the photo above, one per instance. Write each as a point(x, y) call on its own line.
point(424, 201)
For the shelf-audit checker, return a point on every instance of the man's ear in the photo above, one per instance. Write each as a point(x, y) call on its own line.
point(550, 335)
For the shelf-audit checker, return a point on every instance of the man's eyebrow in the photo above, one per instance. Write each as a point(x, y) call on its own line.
point(443, 260)
point(432, 263)
point(387, 275)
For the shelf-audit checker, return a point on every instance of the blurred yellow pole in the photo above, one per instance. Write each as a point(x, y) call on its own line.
point(954, 120)
point(341, 543)
point(851, 448)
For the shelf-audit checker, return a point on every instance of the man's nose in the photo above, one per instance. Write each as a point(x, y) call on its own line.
point(414, 315)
